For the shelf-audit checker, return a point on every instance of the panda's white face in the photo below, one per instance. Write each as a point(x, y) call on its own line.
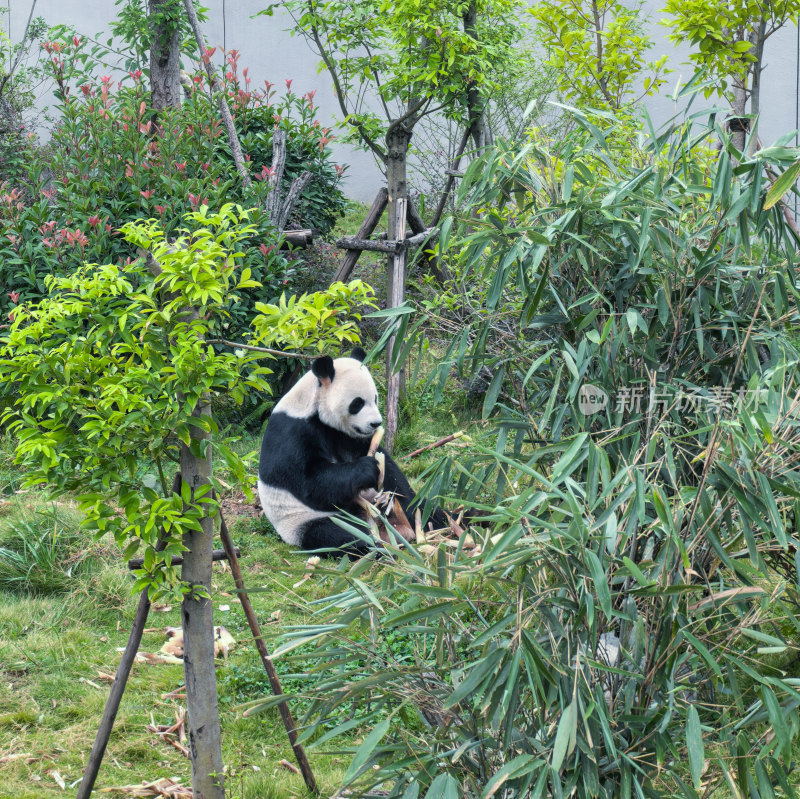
point(349, 402)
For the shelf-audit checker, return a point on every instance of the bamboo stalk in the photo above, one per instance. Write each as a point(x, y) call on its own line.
point(441, 442)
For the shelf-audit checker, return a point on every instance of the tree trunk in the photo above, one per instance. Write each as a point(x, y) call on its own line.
point(205, 750)
point(165, 62)
point(398, 138)
point(476, 105)
point(755, 96)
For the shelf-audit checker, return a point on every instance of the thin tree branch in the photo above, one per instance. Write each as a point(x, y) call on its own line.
point(451, 177)
point(225, 111)
point(266, 350)
point(412, 111)
point(337, 86)
point(377, 78)
point(295, 190)
point(21, 51)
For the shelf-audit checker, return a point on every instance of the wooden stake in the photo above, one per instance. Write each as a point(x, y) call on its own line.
point(359, 245)
point(114, 698)
point(177, 560)
point(266, 660)
point(367, 226)
point(398, 276)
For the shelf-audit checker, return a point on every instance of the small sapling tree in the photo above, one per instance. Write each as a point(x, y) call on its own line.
point(598, 51)
point(730, 39)
point(115, 376)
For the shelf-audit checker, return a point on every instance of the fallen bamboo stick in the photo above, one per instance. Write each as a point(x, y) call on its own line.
point(439, 443)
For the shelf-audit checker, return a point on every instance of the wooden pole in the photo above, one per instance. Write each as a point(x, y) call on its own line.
point(114, 698)
point(266, 660)
point(353, 243)
point(120, 680)
point(367, 226)
point(397, 276)
point(177, 560)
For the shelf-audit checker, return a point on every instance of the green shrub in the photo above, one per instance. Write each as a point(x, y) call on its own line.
point(615, 637)
point(629, 626)
point(112, 160)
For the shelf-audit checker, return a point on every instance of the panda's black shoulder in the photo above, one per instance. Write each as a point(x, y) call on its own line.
point(287, 441)
point(290, 442)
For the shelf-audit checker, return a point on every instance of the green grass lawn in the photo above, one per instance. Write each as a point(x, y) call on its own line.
point(55, 649)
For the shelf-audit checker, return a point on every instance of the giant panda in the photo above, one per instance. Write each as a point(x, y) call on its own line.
point(314, 456)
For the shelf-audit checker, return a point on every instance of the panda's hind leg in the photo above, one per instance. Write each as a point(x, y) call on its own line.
point(326, 534)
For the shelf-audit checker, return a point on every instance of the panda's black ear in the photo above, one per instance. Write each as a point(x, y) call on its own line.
point(323, 369)
point(358, 354)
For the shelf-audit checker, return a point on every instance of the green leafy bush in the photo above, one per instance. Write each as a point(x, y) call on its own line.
point(628, 626)
point(615, 637)
point(113, 367)
point(659, 275)
point(111, 160)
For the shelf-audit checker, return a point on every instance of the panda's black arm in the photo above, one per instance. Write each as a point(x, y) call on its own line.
point(334, 485)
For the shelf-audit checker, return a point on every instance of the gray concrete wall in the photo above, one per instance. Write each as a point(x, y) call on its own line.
point(272, 53)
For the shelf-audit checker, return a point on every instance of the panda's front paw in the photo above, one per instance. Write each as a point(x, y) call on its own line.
point(366, 473)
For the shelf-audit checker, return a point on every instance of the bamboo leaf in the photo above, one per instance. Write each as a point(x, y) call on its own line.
point(445, 786)
point(782, 186)
point(493, 392)
point(694, 745)
point(777, 718)
point(514, 768)
point(566, 734)
point(364, 752)
point(600, 582)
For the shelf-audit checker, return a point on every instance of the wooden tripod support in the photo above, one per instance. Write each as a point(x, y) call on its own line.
point(132, 647)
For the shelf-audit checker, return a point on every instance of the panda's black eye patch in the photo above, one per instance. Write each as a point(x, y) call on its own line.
point(356, 405)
